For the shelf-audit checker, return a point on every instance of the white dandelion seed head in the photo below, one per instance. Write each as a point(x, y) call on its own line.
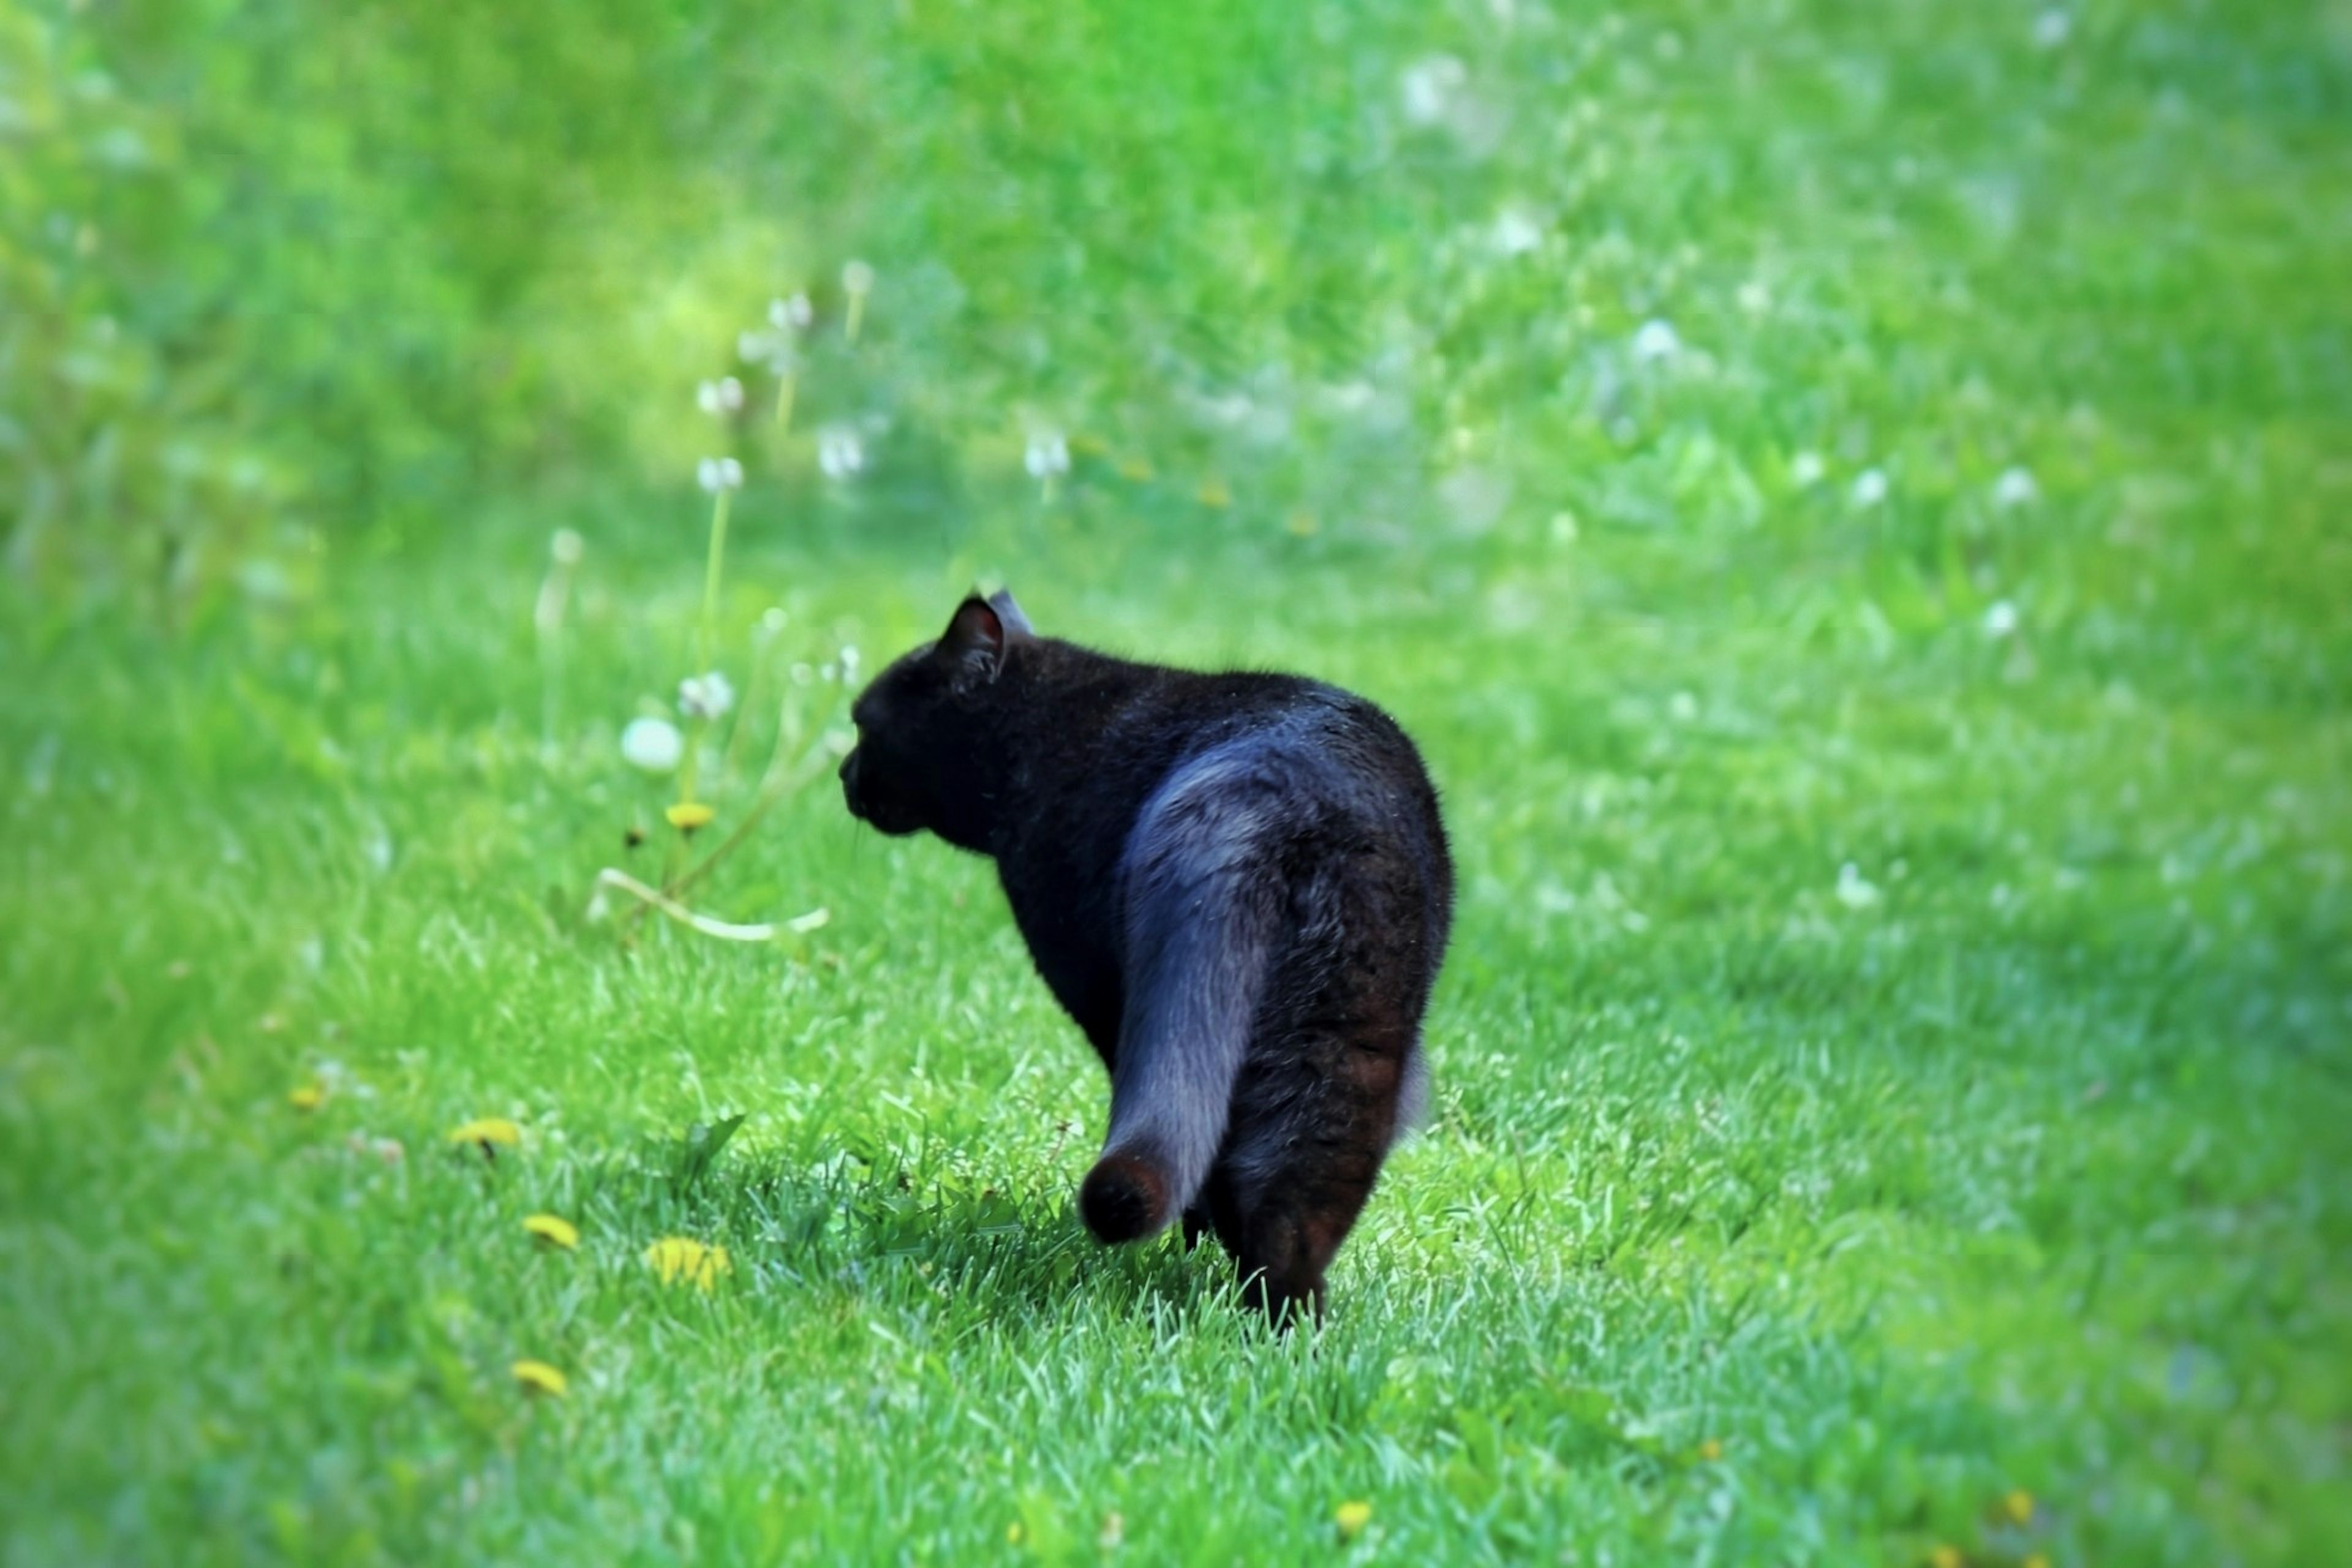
point(2001, 619)
point(719, 397)
point(1515, 233)
point(1048, 454)
point(849, 661)
point(2015, 487)
point(1854, 890)
point(1430, 86)
point(565, 547)
point(1870, 486)
point(706, 695)
point(1656, 341)
point(1754, 297)
point(653, 744)
point(2051, 28)
point(772, 350)
point(792, 314)
point(719, 475)
point(858, 277)
point(773, 620)
point(840, 454)
point(1806, 469)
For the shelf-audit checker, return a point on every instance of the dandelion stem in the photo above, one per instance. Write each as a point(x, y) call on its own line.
point(613, 877)
point(710, 581)
point(787, 385)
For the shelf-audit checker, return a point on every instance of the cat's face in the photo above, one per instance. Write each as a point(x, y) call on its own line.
point(923, 728)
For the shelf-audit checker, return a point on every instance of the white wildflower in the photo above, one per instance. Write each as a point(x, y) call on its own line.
point(1806, 469)
point(1656, 341)
point(2051, 28)
point(2015, 487)
point(1754, 297)
point(1430, 86)
point(858, 277)
point(1515, 233)
point(722, 397)
point(839, 452)
point(1854, 890)
point(769, 350)
point(1869, 487)
point(2000, 618)
point(719, 475)
point(849, 660)
point(791, 315)
point(653, 744)
point(707, 696)
point(566, 547)
point(1047, 454)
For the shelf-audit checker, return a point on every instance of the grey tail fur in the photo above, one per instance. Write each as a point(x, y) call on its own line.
point(1202, 909)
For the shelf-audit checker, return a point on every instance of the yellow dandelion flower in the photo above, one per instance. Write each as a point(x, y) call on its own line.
point(2018, 1507)
point(1012, 1533)
point(1303, 524)
point(307, 1096)
point(689, 814)
point(1352, 1518)
point(538, 1377)
point(1947, 1557)
point(1214, 493)
point(488, 1133)
point(676, 1257)
point(1089, 445)
point(1137, 469)
point(555, 1232)
point(2036, 1560)
point(1711, 1450)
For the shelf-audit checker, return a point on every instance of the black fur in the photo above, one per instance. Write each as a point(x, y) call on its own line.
point(1238, 886)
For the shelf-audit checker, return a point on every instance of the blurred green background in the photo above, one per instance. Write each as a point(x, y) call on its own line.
point(1850, 497)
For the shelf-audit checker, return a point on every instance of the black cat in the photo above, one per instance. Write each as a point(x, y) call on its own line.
point(1237, 884)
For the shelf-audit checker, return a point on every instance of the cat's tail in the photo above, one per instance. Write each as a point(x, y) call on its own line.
point(1203, 915)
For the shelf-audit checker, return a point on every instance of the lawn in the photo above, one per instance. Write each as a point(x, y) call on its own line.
point(1849, 500)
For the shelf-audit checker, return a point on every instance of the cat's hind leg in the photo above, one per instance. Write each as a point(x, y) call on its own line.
point(1313, 1122)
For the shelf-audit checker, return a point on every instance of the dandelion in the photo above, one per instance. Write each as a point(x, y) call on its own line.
point(772, 352)
point(2018, 1507)
point(1854, 890)
point(1430, 86)
point(1869, 487)
point(2051, 28)
point(1515, 233)
point(553, 1230)
point(1047, 454)
point(307, 1097)
point(689, 814)
point(792, 314)
point(1656, 341)
point(839, 452)
point(706, 695)
point(850, 658)
point(1352, 1516)
point(652, 745)
point(720, 398)
point(1711, 1451)
point(2001, 619)
point(717, 476)
point(1215, 494)
point(1947, 1557)
point(1136, 469)
point(565, 547)
point(2014, 489)
point(1806, 469)
point(488, 1133)
point(538, 1378)
point(857, 281)
point(679, 1257)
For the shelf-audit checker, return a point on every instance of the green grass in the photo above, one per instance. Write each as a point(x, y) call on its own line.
point(1769, 1212)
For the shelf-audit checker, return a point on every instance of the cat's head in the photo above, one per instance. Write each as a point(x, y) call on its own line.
point(927, 727)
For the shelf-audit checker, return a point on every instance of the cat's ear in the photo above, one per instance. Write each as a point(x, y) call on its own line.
point(973, 644)
point(1016, 625)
